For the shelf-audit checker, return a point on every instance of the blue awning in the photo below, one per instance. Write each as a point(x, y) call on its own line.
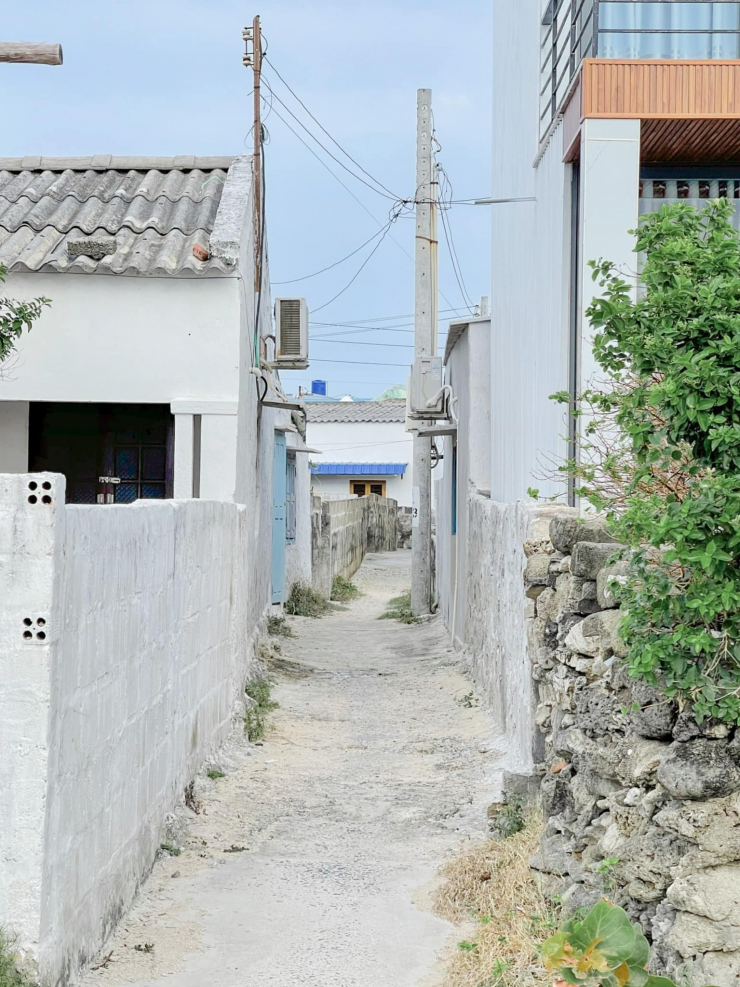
point(359, 469)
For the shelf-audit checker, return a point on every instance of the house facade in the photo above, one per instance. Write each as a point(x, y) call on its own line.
point(363, 449)
point(602, 111)
point(143, 379)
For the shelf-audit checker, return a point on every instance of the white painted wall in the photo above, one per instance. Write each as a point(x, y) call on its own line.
point(13, 436)
point(105, 721)
point(127, 339)
point(610, 199)
point(468, 373)
point(531, 267)
point(496, 618)
point(298, 555)
point(362, 442)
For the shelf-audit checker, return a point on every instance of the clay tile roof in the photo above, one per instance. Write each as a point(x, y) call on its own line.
point(149, 213)
point(356, 411)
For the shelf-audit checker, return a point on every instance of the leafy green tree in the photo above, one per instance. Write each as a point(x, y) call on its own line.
point(15, 317)
point(668, 473)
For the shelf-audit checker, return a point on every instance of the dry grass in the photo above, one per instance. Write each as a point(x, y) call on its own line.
point(491, 886)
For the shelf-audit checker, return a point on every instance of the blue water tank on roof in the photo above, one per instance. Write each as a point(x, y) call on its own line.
point(318, 387)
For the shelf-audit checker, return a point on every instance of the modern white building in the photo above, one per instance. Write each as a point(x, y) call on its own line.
point(603, 110)
point(364, 449)
point(146, 377)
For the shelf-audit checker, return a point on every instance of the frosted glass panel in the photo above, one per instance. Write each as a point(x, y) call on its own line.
point(625, 30)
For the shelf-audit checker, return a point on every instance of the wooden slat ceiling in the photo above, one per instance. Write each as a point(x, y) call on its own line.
point(695, 142)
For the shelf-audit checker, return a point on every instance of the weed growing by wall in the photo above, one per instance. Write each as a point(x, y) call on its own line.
point(343, 590)
point(255, 719)
point(399, 608)
point(306, 602)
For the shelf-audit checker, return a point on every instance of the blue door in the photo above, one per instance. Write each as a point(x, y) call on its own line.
point(278, 518)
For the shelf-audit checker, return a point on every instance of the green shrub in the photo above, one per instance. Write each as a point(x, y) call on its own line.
point(279, 627)
point(668, 472)
point(343, 590)
point(399, 608)
point(306, 602)
point(255, 719)
point(10, 975)
point(602, 948)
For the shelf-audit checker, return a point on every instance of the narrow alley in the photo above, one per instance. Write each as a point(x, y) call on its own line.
point(309, 863)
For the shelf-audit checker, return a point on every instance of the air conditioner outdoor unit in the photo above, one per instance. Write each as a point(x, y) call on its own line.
point(426, 394)
point(291, 333)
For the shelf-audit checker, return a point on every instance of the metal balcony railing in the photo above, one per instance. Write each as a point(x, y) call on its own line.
point(668, 29)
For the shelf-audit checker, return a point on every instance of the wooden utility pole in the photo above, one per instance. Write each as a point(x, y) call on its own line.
point(254, 58)
point(425, 344)
point(30, 53)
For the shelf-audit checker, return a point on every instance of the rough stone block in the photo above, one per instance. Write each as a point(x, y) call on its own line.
point(720, 969)
point(537, 574)
point(566, 531)
point(616, 572)
point(589, 558)
point(656, 715)
point(597, 635)
point(700, 769)
point(713, 893)
point(692, 934)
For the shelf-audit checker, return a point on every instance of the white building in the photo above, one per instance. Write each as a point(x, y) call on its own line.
point(139, 381)
point(364, 449)
point(602, 111)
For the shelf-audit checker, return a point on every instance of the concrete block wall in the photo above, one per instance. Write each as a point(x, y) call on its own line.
point(124, 649)
point(494, 622)
point(344, 530)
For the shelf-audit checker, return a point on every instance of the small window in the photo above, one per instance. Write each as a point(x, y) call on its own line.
point(358, 489)
point(290, 512)
point(378, 488)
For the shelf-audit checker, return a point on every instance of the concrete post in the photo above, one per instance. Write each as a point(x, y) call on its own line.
point(31, 533)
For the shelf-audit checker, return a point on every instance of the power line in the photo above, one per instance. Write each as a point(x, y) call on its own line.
point(447, 227)
point(360, 342)
point(362, 266)
point(313, 137)
point(335, 264)
point(346, 154)
point(360, 363)
point(378, 318)
point(453, 308)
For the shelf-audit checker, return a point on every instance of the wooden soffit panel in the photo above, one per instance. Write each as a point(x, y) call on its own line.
point(690, 142)
point(662, 90)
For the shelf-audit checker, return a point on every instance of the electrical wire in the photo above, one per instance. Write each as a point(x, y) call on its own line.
point(326, 150)
point(453, 308)
point(331, 266)
point(378, 318)
point(360, 342)
point(345, 153)
point(362, 266)
point(359, 363)
point(447, 228)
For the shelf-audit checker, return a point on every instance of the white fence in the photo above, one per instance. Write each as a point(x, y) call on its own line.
point(124, 649)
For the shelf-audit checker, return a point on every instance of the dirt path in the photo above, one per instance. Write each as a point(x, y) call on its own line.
point(373, 769)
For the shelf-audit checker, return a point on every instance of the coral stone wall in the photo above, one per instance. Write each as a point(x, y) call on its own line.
point(642, 804)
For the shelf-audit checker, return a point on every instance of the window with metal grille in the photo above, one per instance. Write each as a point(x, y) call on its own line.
point(290, 512)
point(290, 327)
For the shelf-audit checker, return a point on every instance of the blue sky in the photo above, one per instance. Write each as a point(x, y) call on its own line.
point(165, 77)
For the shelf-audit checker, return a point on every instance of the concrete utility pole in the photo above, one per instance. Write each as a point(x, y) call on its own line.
point(425, 344)
point(30, 53)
